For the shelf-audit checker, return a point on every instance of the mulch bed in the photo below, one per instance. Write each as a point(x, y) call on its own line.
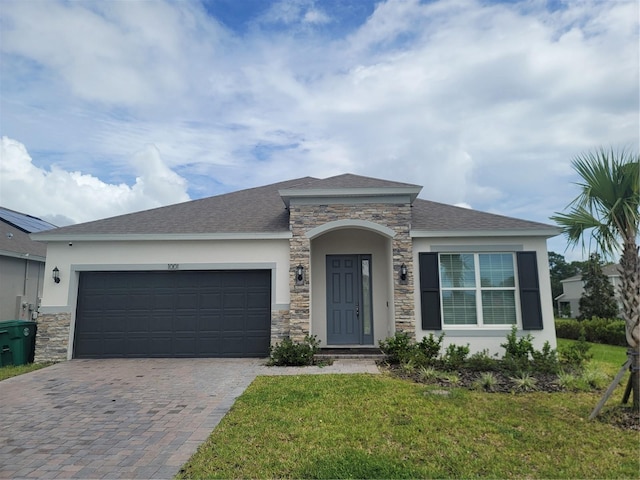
point(621, 416)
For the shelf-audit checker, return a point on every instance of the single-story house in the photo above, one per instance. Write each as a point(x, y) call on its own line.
point(349, 259)
point(22, 263)
point(573, 288)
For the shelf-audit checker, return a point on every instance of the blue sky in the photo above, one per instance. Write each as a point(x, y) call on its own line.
point(113, 107)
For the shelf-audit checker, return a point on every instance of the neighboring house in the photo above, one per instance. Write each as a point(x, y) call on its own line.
point(21, 265)
point(349, 259)
point(573, 287)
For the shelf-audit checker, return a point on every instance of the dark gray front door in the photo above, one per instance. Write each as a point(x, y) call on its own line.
point(349, 308)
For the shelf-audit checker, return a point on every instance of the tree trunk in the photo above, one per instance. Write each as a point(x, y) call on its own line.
point(635, 379)
point(630, 296)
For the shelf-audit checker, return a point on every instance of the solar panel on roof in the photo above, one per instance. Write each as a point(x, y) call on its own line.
point(26, 223)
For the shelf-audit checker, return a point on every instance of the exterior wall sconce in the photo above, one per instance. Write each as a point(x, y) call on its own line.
point(299, 275)
point(56, 275)
point(403, 273)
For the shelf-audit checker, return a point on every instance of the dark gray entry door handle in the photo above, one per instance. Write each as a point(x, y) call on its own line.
point(357, 310)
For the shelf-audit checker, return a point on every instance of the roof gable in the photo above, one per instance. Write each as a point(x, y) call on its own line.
point(348, 186)
point(349, 181)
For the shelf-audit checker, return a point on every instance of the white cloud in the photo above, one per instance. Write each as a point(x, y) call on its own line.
point(482, 103)
point(69, 197)
point(290, 12)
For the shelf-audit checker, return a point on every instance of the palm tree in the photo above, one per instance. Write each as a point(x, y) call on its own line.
point(607, 210)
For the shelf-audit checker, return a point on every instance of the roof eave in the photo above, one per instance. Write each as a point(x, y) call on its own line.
point(288, 193)
point(533, 232)
point(133, 237)
point(22, 256)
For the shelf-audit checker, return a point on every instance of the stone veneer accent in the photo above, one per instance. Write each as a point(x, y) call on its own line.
point(279, 326)
point(52, 338)
point(303, 218)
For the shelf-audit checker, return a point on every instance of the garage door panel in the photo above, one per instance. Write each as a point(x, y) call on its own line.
point(209, 346)
point(162, 324)
point(210, 300)
point(173, 314)
point(184, 344)
point(186, 300)
point(137, 325)
point(163, 301)
point(256, 299)
point(234, 300)
point(255, 323)
point(210, 323)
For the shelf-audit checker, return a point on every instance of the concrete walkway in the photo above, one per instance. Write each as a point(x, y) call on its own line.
point(134, 418)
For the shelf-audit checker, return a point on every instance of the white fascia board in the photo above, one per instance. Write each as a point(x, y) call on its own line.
point(288, 193)
point(22, 256)
point(547, 233)
point(131, 237)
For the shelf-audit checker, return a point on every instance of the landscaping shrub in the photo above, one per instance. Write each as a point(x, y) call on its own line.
point(596, 330)
point(289, 353)
point(568, 328)
point(546, 360)
point(399, 348)
point(455, 356)
point(482, 362)
point(576, 354)
point(603, 330)
point(430, 347)
point(517, 350)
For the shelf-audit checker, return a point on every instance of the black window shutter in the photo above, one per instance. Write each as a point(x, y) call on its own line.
point(529, 291)
point(430, 291)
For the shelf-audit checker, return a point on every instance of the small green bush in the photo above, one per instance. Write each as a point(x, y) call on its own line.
point(524, 382)
point(486, 382)
point(604, 330)
point(291, 354)
point(596, 330)
point(546, 360)
point(482, 362)
point(576, 354)
point(399, 348)
point(568, 328)
point(517, 351)
point(430, 347)
point(455, 356)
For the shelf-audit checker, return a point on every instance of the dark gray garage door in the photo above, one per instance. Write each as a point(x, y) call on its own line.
point(173, 314)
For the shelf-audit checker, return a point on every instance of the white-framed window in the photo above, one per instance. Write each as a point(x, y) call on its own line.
point(477, 289)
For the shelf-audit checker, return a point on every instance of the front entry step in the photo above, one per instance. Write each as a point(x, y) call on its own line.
point(343, 353)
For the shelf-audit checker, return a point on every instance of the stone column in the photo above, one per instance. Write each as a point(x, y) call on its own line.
point(52, 338)
point(299, 254)
point(403, 295)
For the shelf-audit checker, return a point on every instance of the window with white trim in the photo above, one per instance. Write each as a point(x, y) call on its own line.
point(477, 289)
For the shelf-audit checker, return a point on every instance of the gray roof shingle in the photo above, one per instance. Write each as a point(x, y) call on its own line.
point(261, 210)
point(434, 216)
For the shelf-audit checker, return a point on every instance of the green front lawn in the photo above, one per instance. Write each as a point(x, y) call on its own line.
point(374, 426)
point(609, 354)
point(15, 370)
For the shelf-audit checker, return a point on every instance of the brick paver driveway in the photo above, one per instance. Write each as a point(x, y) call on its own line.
point(115, 418)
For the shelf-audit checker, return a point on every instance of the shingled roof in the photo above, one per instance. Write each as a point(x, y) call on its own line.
point(261, 211)
point(14, 237)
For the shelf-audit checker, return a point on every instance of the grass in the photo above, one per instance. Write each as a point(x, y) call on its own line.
point(608, 354)
point(375, 426)
point(9, 371)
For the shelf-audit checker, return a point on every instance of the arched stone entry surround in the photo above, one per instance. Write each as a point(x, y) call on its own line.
point(318, 229)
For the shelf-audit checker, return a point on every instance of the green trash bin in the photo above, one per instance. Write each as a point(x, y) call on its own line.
point(17, 342)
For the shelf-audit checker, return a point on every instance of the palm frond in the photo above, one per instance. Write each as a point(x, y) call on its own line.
point(607, 208)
